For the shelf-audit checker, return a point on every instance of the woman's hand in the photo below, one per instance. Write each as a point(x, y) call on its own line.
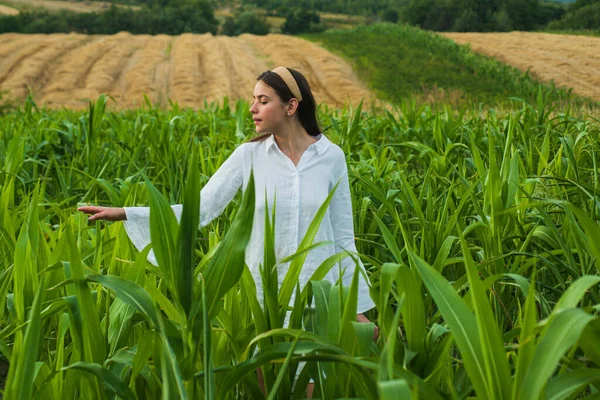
point(362, 318)
point(105, 213)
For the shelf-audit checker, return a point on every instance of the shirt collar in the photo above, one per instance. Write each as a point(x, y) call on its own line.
point(320, 145)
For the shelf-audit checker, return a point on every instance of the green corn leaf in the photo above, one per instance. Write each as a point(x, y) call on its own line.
point(460, 320)
point(413, 308)
point(93, 340)
point(349, 306)
point(291, 277)
point(390, 240)
point(496, 364)
point(227, 265)
point(142, 355)
point(393, 390)
point(283, 369)
point(562, 333)
point(527, 340)
point(321, 291)
point(209, 375)
point(593, 234)
point(249, 289)
point(321, 271)
point(388, 275)
point(130, 294)
point(568, 384)
point(22, 375)
point(387, 360)
point(186, 240)
point(590, 341)
point(575, 292)
point(163, 234)
point(112, 382)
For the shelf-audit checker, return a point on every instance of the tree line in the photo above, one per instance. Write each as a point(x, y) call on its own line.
point(179, 16)
point(171, 17)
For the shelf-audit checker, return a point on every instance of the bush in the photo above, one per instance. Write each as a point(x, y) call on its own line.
point(302, 21)
point(390, 15)
point(245, 22)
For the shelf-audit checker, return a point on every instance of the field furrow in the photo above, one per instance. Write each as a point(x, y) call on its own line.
point(14, 60)
point(121, 82)
point(32, 71)
point(185, 72)
point(141, 77)
point(569, 61)
point(105, 72)
point(216, 77)
point(13, 41)
point(67, 79)
point(246, 64)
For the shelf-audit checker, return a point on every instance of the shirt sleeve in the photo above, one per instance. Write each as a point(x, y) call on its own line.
point(214, 197)
point(340, 210)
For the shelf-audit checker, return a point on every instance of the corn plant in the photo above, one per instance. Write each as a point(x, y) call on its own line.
point(479, 231)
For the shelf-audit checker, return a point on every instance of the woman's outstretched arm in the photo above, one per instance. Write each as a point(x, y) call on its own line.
point(214, 197)
point(104, 213)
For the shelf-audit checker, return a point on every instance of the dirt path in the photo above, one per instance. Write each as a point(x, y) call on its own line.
point(67, 70)
point(571, 61)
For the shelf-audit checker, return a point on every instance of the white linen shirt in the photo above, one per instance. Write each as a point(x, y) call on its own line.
point(298, 192)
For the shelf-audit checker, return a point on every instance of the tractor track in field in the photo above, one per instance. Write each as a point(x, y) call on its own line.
point(68, 70)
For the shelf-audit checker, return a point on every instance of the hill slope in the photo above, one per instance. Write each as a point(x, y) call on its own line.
point(402, 62)
point(570, 61)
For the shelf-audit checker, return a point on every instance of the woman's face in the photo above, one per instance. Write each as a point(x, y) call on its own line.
point(268, 112)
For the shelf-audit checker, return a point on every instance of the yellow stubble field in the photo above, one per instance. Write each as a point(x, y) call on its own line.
point(5, 10)
point(571, 61)
point(68, 69)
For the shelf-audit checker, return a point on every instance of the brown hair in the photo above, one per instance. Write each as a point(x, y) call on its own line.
point(307, 109)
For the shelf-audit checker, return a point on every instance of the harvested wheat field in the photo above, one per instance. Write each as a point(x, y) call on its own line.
point(69, 69)
point(571, 61)
point(5, 10)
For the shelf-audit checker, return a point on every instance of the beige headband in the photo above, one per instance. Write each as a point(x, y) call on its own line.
point(289, 80)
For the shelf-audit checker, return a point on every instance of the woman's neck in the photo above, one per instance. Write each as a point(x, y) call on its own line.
point(293, 141)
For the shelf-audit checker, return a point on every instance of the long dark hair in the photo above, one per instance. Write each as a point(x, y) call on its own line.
point(307, 109)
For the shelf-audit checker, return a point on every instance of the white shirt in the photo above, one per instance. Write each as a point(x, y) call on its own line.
point(299, 191)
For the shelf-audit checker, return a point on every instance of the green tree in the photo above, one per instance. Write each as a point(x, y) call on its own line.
point(390, 15)
point(301, 21)
point(246, 21)
point(502, 20)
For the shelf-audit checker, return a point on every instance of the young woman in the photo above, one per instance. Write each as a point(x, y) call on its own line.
point(296, 166)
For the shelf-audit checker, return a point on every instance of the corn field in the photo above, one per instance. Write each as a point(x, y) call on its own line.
point(479, 232)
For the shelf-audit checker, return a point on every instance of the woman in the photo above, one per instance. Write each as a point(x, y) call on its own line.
point(293, 163)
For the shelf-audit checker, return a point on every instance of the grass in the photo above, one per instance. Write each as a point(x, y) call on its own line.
point(401, 62)
point(479, 232)
point(580, 32)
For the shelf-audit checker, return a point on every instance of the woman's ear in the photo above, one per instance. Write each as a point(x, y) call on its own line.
point(292, 106)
